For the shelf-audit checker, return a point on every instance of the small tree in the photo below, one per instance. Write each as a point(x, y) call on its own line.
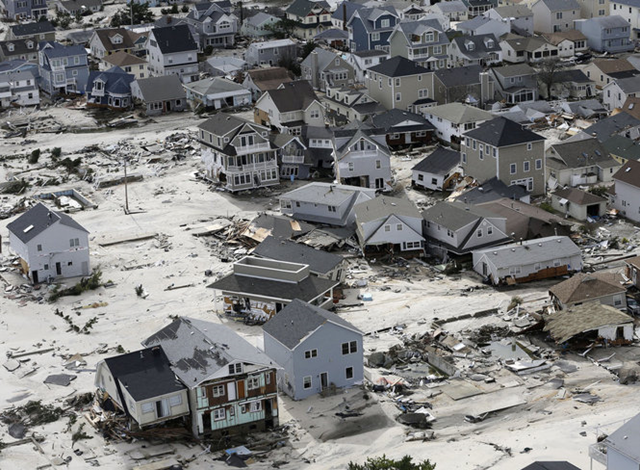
point(548, 74)
point(174, 8)
point(56, 152)
point(35, 155)
point(307, 49)
point(383, 463)
point(184, 9)
point(283, 28)
point(139, 11)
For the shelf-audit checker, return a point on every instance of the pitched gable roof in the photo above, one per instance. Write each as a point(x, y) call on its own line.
point(106, 38)
point(293, 96)
point(123, 59)
point(624, 439)
point(440, 161)
point(398, 67)
point(629, 173)
point(37, 219)
point(172, 39)
point(582, 287)
point(455, 215)
point(581, 153)
point(29, 29)
point(459, 113)
point(615, 124)
point(304, 7)
point(382, 207)
point(294, 323)
point(167, 87)
point(198, 349)
point(561, 5)
point(319, 261)
point(577, 196)
point(459, 76)
point(501, 132)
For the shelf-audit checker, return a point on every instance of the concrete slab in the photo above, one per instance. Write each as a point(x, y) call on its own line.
point(460, 389)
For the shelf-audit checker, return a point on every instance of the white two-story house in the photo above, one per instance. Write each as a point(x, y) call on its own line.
point(172, 51)
point(362, 158)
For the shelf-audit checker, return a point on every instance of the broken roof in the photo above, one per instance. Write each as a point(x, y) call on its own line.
point(144, 374)
point(582, 287)
point(491, 190)
point(37, 219)
point(565, 324)
point(319, 261)
point(298, 320)
point(615, 124)
point(277, 226)
point(198, 349)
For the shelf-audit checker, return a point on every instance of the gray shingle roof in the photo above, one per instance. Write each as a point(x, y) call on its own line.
point(294, 323)
point(501, 132)
point(515, 70)
point(198, 349)
point(491, 190)
point(577, 196)
point(616, 124)
point(398, 67)
point(54, 49)
point(293, 96)
point(172, 39)
point(513, 11)
point(307, 289)
point(39, 218)
point(303, 7)
point(612, 21)
point(561, 5)
point(168, 87)
point(625, 439)
point(145, 374)
point(438, 162)
point(581, 153)
point(459, 113)
point(392, 118)
point(382, 207)
point(326, 193)
point(319, 261)
point(455, 215)
point(260, 18)
point(531, 251)
point(481, 45)
point(459, 76)
point(28, 29)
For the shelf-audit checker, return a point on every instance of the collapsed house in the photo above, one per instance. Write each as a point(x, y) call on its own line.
point(317, 350)
point(258, 288)
point(590, 324)
point(528, 260)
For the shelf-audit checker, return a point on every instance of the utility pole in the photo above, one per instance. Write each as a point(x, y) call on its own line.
point(131, 25)
point(126, 193)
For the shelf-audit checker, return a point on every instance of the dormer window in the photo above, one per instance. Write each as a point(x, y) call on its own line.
point(235, 369)
point(98, 85)
point(429, 37)
point(30, 44)
point(117, 39)
point(11, 46)
point(470, 45)
point(489, 43)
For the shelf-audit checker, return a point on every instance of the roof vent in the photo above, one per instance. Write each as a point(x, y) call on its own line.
point(628, 169)
point(28, 228)
point(513, 249)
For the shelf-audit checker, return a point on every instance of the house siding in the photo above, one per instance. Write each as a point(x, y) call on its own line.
point(627, 200)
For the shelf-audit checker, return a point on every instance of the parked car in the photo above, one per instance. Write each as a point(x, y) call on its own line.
point(633, 307)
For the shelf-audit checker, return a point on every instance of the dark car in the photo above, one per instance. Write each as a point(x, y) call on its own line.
point(581, 58)
point(633, 307)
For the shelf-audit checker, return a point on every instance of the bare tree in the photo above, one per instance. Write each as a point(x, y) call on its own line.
point(548, 74)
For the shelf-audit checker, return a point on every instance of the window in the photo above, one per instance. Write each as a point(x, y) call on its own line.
point(398, 82)
point(349, 348)
point(513, 168)
point(74, 242)
point(481, 154)
point(147, 407)
point(175, 400)
point(479, 233)
point(559, 15)
point(235, 368)
point(255, 406)
point(556, 263)
point(311, 353)
point(529, 145)
point(201, 397)
point(218, 414)
point(253, 382)
point(420, 177)
point(398, 96)
point(219, 390)
point(539, 164)
point(375, 36)
point(515, 270)
point(525, 166)
point(46, 267)
point(315, 113)
point(306, 382)
point(464, 157)
point(350, 166)
point(387, 228)
point(70, 263)
point(434, 181)
point(617, 300)
point(384, 23)
point(349, 373)
point(378, 164)
point(332, 208)
point(473, 144)
point(39, 247)
point(399, 227)
point(536, 267)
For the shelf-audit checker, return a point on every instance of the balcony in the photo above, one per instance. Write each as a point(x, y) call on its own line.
point(57, 68)
point(364, 153)
point(97, 92)
point(293, 159)
point(269, 165)
point(243, 150)
point(598, 452)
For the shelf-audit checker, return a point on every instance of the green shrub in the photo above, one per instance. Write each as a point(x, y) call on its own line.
point(34, 157)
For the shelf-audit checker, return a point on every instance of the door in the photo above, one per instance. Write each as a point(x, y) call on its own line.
point(268, 413)
point(206, 421)
point(484, 269)
point(168, 106)
point(34, 276)
point(324, 380)
point(279, 307)
point(58, 269)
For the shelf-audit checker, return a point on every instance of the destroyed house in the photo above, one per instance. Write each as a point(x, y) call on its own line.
point(437, 170)
point(258, 288)
point(238, 153)
point(324, 203)
point(389, 225)
point(50, 244)
point(528, 260)
point(633, 270)
point(603, 287)
point(142, 385)
point(456, 228)
point(316, 349)
point(589, 324)
point(322, 264)
point(232, 384)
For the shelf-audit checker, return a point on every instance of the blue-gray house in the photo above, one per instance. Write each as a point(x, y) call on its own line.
point(64, 70)
point(316, 350)
point(606, 34)
point(370, 28)
point(23, 9)
point(110, 89)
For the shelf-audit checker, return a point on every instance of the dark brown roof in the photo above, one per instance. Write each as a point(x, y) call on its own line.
point(629, 173)
point(128, 38)
point(588, 286)
point(632, 106)
point(269, 78)
point(635, 261)
point(577, 196)
point(613, 65)
point(293, 96)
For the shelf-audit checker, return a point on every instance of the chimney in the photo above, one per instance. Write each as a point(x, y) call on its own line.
point(314, 69)
point(486, 87)
point(344, 16)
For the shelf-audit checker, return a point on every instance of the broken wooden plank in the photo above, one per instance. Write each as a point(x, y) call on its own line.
point(172, 287)
point(30, 353)
point(116, 240)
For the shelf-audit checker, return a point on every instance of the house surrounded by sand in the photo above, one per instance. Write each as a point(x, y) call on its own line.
point(50, 244)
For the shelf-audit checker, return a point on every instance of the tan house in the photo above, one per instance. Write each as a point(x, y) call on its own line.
point(605, 288)
point(130, 63)
point(604, 71)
